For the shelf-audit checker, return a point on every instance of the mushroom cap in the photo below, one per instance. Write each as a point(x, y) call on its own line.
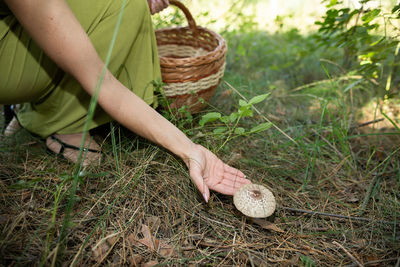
point(255, 201)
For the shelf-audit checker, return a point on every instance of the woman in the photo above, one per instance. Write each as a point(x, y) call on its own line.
point(52, 53)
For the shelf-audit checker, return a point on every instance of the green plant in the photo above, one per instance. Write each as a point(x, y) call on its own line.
point(181, 117)
point(370, 46)
point(169, 19)
point(307, 261)
point(229, 128)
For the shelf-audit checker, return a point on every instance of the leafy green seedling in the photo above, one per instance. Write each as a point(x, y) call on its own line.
point(229, 128)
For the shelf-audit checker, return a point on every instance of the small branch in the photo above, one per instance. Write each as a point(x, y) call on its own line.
point(318, 213)
point(374, 263)
point(348, 254)
point(353, 77)
point(367, 123)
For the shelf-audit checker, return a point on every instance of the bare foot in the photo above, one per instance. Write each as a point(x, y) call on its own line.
point(12, 127)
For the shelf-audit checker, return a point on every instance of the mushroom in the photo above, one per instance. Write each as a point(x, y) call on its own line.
point(255, 201)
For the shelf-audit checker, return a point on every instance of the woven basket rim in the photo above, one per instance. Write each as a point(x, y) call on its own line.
point(221, 47)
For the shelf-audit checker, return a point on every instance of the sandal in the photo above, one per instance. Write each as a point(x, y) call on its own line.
point(67, 145)
point(13, 126)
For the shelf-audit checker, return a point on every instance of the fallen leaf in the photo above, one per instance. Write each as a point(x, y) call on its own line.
point(165, 249)
point(149, 264)
point(135, 260)
point(112, 240)
point(148, 240)
point(152, 243)
point(372, 258)
point(116, 260)
point(294, 261)
point(102, 246)
point(350, 195)
point(352, 199)
point(132, 240)
point(226, 93)
point(267, 225)
point(154, 223)
point(100, 251)
point(280, 111)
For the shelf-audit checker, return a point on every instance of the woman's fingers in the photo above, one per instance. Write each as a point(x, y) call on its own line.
point(227, 187)
point(197, 177)
point(228, 184)
point(229, 169)
point(235, 175)
point(209, 172)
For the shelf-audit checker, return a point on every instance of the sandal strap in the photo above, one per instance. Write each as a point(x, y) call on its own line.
point(65, 145)
point(14, 111)
point(8, 114)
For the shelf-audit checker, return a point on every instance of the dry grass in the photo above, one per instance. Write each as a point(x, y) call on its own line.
point(141, 207)
point(146, 210)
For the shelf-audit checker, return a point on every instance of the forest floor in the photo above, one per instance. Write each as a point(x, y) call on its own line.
point(335, 173)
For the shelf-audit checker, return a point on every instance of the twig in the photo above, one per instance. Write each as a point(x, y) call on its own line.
point(367, 123)
point(250, 259)
point(348, 254)
point(325, 81)
point(318, 213)
point(374, 263)
point(259, 113)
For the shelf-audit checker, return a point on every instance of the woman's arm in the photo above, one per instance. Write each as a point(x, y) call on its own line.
point(55, 29)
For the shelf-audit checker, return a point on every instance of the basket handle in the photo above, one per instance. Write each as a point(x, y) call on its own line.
point(188, 15)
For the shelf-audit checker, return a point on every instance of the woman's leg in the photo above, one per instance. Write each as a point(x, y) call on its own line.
point(134, 62)
point(58, 106)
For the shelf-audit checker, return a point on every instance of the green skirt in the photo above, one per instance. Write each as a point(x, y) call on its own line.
point(53, 101)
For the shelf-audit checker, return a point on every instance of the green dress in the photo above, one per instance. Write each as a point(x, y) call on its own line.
point(53, 101)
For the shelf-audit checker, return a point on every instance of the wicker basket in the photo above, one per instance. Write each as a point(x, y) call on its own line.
point(192, 61)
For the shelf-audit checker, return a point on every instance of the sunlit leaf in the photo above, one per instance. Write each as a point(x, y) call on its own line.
point(352, 85)
point(220, 130)
point(395, 9)
point(233, 116)
point(242, 103)
point(332, 3)
point(369, 16)
point(209, 117)
point(224, 119)
point(261, 127)
point(258, 99)
point(245, 111)
point(239, 130)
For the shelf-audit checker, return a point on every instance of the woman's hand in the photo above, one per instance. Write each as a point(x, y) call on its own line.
point(157, 5)
point(209, 172)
